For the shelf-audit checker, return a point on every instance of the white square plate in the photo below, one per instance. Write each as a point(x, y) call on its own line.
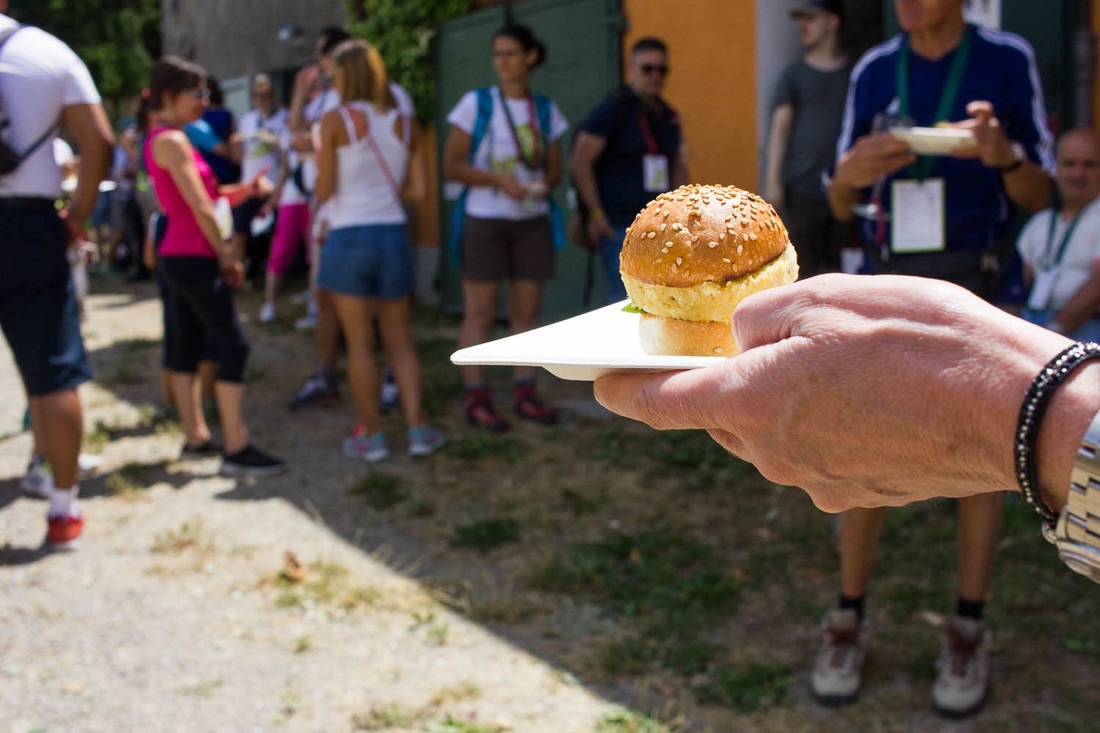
point(581, 348)
point(934, 140)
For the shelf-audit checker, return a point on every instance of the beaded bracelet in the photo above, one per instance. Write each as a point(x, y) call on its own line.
point(1034, 406)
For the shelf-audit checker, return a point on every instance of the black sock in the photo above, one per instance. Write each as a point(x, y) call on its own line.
point(970, 609)
point(856, 604)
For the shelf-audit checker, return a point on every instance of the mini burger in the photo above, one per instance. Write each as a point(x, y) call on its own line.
point(691, 256)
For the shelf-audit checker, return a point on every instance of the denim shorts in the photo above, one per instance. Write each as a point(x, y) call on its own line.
point(38, 308)
point(372, 260)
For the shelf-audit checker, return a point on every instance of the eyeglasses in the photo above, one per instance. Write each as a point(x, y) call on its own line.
point(199, 94)
point(654, 69)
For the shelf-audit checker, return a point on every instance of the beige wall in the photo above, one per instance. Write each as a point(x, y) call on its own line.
point(712, 47)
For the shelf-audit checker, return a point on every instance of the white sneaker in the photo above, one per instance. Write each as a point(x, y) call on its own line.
point(963, 678)
point(37, 480)
point(302, 298)
point(306, 323)
point(267, 312)
point(836, 675)
point(425, 440)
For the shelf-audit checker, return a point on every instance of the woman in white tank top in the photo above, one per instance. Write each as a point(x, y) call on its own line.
point(369, 164)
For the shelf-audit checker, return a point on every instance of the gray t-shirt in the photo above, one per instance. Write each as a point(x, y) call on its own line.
point(818, 101)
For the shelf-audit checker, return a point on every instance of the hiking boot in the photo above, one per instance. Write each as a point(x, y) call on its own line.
point(963, 679)
point(529, 407)
point(836, 675)
point(63, 530)
point(251, 461)
point(317, 390)
point(481, 413)
point(425, 440)
point(36, 481)
point(370, 448)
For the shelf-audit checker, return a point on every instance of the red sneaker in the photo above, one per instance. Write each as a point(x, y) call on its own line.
point(530, 407)
point(481, 413)
point(63, 531)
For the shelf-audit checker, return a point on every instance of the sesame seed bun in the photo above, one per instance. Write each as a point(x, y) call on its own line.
point(692, 255)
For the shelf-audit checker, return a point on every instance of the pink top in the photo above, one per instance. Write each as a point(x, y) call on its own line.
point(183, 237)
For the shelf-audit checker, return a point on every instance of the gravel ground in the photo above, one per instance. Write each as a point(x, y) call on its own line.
point(173, 614)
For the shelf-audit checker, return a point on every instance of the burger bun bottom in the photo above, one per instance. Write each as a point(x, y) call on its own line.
point(674, 337)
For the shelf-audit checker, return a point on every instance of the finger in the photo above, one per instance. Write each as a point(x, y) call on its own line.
point(668, 400)
point(980, 110)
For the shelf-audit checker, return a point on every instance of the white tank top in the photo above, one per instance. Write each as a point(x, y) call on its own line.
point(370, 171)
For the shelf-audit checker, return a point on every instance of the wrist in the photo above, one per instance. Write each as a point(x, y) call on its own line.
point(1016, 159)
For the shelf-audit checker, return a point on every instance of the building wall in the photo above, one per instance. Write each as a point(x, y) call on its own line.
point(240, 38)
point(712, 85)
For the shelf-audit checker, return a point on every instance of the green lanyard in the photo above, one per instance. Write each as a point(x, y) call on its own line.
point(1065, 239)
point(947, 98)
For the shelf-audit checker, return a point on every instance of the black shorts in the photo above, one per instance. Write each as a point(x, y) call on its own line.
point(507, 249)
point(38, 306)
point(245, 213)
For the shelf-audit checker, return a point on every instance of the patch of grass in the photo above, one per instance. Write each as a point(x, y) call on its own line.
point(422, 508)
point(324, 583)
point(486, 534)
point(450, 724)
point(131, 479)
point(488, 445)
point(127, 374)
point(132, 346)
point(384, 718)
point(463, 691)
point(189, 536)
point(302, 644)
point(627, 721)
point(671, 588)
point(758, 687)
point(96, 439)
point(381, 490)
point(577, 503)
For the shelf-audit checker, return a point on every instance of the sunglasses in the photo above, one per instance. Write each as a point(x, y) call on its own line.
point(198, 93)
point(654, 69)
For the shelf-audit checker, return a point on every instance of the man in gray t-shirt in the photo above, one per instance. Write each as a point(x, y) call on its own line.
point(806, 114)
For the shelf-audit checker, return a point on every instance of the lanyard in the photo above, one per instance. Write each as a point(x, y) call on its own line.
point(1065, 238)
point(947, 97)
point(647, 133)
point(535, 161)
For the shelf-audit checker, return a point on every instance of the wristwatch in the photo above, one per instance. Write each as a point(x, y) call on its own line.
point(1077, 531)
point(1019, 157)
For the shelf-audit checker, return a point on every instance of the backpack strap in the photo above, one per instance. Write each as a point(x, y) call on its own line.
point(5, 121)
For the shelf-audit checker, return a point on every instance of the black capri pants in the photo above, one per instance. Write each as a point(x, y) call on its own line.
point(201, 304)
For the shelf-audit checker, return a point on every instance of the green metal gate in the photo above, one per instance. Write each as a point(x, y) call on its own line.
point(582, 65)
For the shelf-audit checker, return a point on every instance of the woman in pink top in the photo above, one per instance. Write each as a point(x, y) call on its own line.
point(200, 267)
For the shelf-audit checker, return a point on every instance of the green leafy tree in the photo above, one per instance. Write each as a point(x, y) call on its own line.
point(117, 39)
point(403, 31)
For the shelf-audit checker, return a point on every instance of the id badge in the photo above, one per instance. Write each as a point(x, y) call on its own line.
point(917, 216)
point(1042, 289)
point(655, 173)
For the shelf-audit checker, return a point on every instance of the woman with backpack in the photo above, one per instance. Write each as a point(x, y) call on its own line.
point(504, 145)
point(369, 164)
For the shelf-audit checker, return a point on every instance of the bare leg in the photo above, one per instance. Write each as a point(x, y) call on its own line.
point(978, 532)
point(189, 406)
point(208, 375)
point(272, 282)
point(524, 303)
point(230, 396)
point(860, 532)
point(480, 300)
point(328, 330)
point(354, 315)
point(61, 418)
point(394, 322)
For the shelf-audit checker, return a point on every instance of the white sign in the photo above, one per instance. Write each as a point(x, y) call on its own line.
point(984, 12)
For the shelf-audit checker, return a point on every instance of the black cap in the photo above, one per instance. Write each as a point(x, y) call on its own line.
point(813, 7)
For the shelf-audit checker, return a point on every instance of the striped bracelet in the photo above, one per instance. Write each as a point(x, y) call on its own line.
point(1034, 406)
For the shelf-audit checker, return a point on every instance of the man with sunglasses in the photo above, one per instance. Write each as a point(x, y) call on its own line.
point(629, 149)
point(806, 112)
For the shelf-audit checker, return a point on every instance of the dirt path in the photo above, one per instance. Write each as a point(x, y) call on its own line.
point(173, 615)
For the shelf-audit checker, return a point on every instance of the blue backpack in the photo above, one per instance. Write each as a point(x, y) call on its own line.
point(543, 107)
